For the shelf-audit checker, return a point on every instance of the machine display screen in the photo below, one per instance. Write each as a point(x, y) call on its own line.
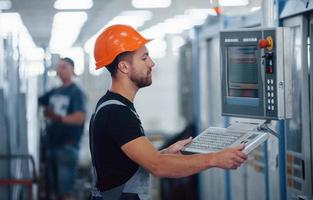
point(242, 71)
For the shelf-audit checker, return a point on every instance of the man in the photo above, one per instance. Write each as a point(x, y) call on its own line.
point(64, 108)
point(121, 153)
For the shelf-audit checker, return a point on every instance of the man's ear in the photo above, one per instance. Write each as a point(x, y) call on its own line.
point(123, 67)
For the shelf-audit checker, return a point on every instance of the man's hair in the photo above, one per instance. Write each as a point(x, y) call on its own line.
point(69, 61)
point(112, 67)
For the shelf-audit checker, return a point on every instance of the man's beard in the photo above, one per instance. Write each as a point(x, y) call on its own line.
point(142, 81)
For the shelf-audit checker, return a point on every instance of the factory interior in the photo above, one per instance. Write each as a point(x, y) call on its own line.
point(234, 67)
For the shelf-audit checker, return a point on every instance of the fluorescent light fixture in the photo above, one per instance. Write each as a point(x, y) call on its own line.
point(35, 54)
point(202, 13)
point(151, 3)
point(90, 43)
point(73, 4)
point(5, 4)
point(65, 29)
point(179, 23)
point(255, 9)
point(11, 23)
point(133, 21)
point(132, 18)
point(77, 54)
point(234, 2)
point(70, 17)
point(153, 32)
point(157, 48)
point(34, 68)
point(177, 42)
point(143, 14)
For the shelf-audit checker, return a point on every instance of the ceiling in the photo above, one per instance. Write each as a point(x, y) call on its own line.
point(37, 15)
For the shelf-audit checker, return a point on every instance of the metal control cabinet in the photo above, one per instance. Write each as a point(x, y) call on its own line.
point(262, 88)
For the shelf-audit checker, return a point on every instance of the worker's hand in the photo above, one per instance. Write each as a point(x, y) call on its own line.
point(176, 147)
point(48, 113)
point(230, 158)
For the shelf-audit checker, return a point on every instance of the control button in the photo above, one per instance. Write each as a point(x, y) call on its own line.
point(272, 88)
point(263, 43)
point(272, 107)
point(268, 81)
point(268, 107)
point(269, 101)
point(268, 87)
point(272, 101)
point(268, 94)
point(272, 94)
point(269, 69)
point(272, 81)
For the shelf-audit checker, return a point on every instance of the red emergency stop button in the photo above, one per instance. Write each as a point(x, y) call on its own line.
point(263, 43)
point(266, 43)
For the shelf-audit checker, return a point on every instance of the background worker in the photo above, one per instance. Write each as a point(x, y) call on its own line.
point(64, 107)
point(122, 155)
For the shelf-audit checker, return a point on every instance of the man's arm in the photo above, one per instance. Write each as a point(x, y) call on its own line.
point(141, 151)
point(76, 118)
point(176, 147)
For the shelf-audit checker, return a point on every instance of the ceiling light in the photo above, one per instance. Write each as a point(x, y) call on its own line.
point(177, 42)
point(89, 44)
point(132, 18)
point(151, 3)
point(11, 23)
point(255, 9)
point(157, 48)
point(143, 14)
point(5, 4)
point(201, 12)
point(65, 29)
point(153, 32)
point(234, 2)
point(73, 4)
point(35, 54)
point(133, 21)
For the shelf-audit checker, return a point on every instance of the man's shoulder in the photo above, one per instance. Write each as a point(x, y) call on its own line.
point(76, 88)
point(75, 91)
point(108, 105)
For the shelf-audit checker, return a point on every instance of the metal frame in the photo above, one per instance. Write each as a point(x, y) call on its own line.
point(302, 22)
point(283, 84)
point(311, 98)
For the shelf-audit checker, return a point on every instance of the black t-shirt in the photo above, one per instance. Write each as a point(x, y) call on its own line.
point(64, 101)
point(112, 127)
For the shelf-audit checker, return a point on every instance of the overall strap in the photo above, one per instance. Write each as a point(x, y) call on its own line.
point(113, 102)
point(106, 103)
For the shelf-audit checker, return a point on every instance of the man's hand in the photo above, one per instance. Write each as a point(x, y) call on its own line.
point(176, 147)
point(48, 113)
point(230, 158)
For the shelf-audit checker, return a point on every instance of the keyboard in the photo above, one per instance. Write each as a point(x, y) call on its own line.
point(215, 139)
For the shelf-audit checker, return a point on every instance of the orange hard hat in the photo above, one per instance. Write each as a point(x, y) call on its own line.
point(114, 40)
